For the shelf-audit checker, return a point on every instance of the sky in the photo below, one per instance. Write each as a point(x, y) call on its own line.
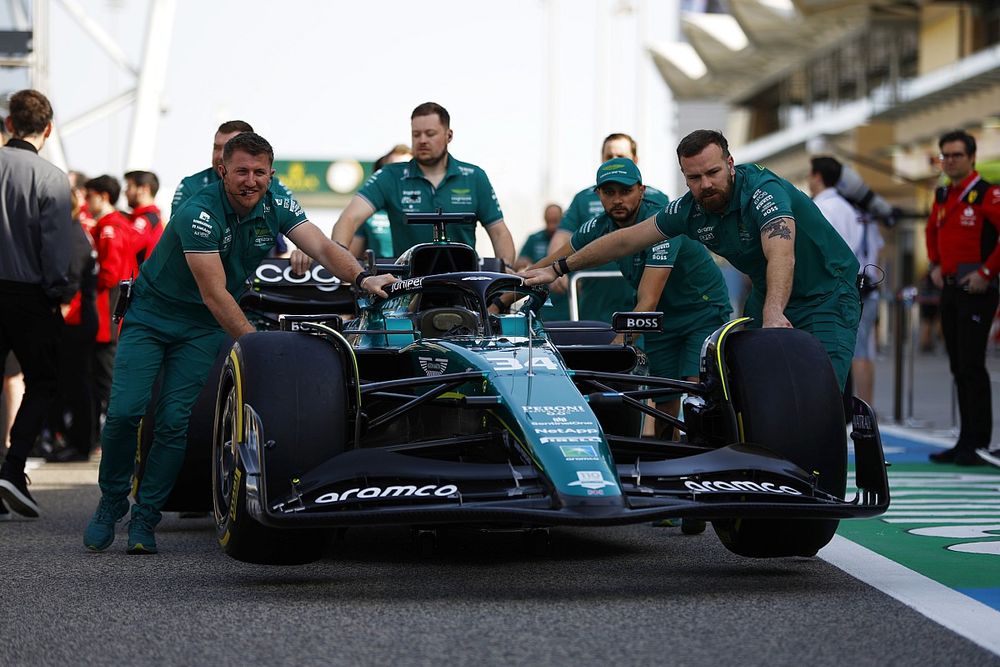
point(532, 86)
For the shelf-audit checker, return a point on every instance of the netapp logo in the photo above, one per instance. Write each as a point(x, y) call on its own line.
point(745, 485)
point(389, 492)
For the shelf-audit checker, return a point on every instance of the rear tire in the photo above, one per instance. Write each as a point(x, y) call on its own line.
point(295, 383)
point(786, 394)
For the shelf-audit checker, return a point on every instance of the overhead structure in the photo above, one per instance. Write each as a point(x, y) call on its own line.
point(149, 75)
point(728, 57)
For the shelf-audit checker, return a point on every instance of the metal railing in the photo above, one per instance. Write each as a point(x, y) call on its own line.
point(573, 292)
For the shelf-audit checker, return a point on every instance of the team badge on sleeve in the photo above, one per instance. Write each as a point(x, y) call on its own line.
point(202, 225)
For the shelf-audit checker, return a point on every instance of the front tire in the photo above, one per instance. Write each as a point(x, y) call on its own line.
point(295, 383)
point(786, 395)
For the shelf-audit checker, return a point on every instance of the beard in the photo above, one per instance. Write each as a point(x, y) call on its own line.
point(431, 160)
point(623, 216)
point(716, 200)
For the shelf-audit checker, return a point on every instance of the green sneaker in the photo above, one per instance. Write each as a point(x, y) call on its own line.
point(141, 539)
point(693, 526)
point(100, 531)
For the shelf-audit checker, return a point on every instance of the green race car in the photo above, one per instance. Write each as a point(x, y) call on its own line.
point(450, 403)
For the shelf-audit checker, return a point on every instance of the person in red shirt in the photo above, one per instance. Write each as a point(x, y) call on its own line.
point(78, 193)
point(962, 245)
point(140, 191)
point(117, 246)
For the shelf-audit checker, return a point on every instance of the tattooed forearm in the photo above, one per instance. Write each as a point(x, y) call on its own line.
point(777, 229)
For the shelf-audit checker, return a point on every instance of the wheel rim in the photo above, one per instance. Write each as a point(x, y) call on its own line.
point(224, 461)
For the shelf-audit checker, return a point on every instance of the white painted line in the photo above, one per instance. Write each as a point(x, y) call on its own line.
point(969, 618)
point(992, 457)
point(931, 493)
point(944, 504)
point(942, 520)
point(943, 515)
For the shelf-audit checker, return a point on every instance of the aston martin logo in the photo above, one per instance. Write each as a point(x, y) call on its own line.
point(591, 479)
point(432, 365)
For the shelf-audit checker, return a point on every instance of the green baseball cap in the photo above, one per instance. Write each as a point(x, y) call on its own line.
point(618, 170)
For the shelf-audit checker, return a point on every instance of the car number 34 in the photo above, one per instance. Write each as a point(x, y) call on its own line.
point(514, 364)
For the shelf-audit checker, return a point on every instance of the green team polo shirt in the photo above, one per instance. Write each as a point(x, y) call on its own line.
point(207, 224)
point(191, 185)
point(536, 247)
point(401, 188)
point(823, 262)
point(603, 296)
point(377, 235)
point(694, 294)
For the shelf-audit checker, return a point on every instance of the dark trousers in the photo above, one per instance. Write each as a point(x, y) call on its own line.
point(965, 325)
point(76, 395)
point(30, 326)
point(104, 367)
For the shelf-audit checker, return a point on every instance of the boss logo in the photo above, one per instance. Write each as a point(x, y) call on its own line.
point(627, 322)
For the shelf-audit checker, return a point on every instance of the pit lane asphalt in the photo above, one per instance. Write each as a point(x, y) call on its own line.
point(631, 594)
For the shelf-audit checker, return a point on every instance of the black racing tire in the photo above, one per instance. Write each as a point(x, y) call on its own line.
point(296, 384)
point(786, 394)
point(192, 491)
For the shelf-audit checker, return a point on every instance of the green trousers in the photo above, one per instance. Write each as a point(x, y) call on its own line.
point(150, 341)
point(832, 318)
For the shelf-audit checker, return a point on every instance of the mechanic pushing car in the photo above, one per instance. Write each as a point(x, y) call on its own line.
point(676, 277)
point(803, 274)
point(432, 181)
point(183, 307)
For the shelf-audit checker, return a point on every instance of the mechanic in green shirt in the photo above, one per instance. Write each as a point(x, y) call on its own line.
point(535, 248)
point(433, 180)
point(676, 277)
point(375, 233)
point(191, 185)
point(600, 298)
point(802, 272)
point(184, 305)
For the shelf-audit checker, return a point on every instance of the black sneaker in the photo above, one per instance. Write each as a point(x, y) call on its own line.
point(67, 455)
point(4, 512)
point(14, 490)
point(968, 457)
point(944, 456)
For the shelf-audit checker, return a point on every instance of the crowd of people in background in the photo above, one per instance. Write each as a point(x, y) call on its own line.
point(114, 244)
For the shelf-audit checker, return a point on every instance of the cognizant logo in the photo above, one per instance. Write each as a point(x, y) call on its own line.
point(401, 491)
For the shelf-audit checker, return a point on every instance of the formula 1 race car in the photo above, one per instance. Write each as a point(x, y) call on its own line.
point(450, 403)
